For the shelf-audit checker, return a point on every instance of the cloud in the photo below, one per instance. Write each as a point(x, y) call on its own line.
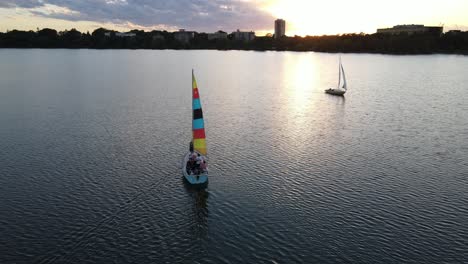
point(20, 3)
point(201, 15)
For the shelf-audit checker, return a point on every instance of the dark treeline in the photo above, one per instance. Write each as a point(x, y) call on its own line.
point(368, 43)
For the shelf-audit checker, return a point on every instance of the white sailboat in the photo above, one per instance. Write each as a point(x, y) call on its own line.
point(342, 87)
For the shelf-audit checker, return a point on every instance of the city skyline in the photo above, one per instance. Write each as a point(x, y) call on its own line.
point(303, 17)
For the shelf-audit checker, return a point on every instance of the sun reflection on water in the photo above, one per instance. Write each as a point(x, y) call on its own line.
point(298, 97)
point(300, 83)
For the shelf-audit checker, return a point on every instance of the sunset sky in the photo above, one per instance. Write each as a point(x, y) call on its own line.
point(303, 17)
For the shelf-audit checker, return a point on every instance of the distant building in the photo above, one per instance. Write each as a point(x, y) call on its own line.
point(411, 30)
point(126, 34)
point(184, 36)
point(280, 28)
point(217, 35)
point(243, 36)
point(120, 35)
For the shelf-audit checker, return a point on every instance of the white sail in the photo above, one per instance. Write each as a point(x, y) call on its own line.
point(339, 74)
point(344, 77)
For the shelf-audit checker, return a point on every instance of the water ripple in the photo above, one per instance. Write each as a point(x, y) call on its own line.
point(90, 168)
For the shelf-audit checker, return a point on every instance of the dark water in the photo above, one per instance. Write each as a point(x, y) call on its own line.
point(91, 144)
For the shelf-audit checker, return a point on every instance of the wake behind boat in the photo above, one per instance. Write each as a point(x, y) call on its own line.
point(342, 87)
point(194, 164)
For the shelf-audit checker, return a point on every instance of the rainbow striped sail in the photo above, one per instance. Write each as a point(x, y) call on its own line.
point(198, 125)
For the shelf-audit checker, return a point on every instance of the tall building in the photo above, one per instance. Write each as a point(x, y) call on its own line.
point(280, 28)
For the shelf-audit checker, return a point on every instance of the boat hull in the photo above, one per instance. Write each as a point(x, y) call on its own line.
point(335, 92)
point(201, 179)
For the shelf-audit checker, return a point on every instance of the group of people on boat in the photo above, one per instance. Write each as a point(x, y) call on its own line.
point(196, 164)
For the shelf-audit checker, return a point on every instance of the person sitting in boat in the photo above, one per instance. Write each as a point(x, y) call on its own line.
point(198, 162)
point(188, 168)
point(203, 166)
point(190, 164)
point(199, 159)
point(193, 156)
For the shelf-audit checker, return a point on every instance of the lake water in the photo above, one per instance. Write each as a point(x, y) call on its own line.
point(91, 143)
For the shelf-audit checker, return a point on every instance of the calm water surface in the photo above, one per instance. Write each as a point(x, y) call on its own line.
point(91, 144)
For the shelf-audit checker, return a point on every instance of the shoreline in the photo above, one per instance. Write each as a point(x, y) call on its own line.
point(461, 53)
point(378, 43)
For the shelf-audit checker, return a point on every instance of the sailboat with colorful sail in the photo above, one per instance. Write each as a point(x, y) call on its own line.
point(194, 164)
point(342, 86)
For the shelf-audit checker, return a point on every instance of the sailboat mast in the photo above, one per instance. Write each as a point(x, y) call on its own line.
point(344, 77)
point(339, 73)
point(193, 78)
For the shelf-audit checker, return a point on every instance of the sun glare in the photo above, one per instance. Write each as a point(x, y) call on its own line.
point(305, 17)
point(310, 17)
